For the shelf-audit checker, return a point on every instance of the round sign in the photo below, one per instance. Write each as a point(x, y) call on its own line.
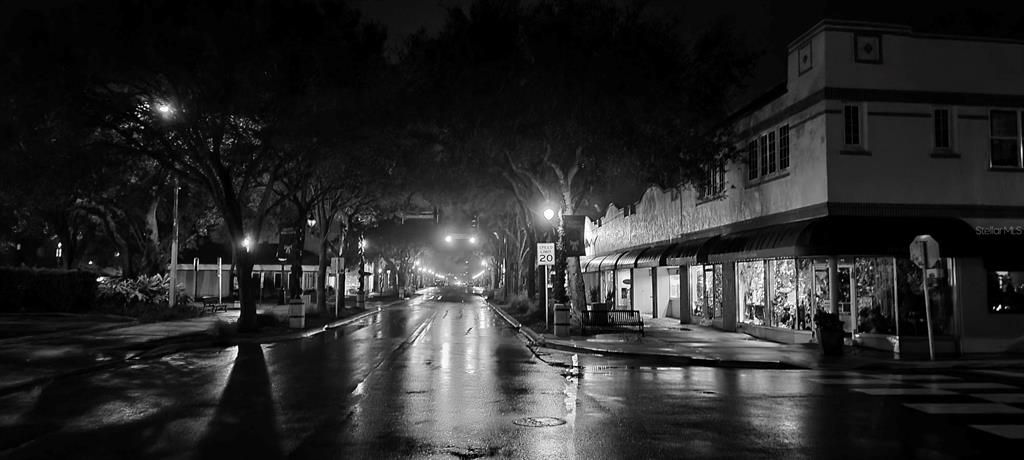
point(924, 251)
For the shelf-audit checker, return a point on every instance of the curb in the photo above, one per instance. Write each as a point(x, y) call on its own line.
point(539, 340)
point(533, 337)
point(306, 333)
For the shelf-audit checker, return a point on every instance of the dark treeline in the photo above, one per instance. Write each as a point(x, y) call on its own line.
point(270, 112)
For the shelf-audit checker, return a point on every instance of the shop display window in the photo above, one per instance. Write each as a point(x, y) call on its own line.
point(1005, 291)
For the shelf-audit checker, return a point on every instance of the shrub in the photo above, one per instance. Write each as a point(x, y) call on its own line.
point(46, 290)
point(141, 290)
point(827, 321)
point(526, 311)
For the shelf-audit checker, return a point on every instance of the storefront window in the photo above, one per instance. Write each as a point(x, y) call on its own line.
point(875, 303)
point(750, 277)
point(608, 287)
point(782, 293)
point(697, 292)
point(812, 290)
point(1005, 291)
point(910, 293)
point(715, 272)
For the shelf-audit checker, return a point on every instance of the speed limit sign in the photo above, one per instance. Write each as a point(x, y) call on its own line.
point(545, 253)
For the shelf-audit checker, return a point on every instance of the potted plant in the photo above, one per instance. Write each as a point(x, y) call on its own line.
point(829, 331)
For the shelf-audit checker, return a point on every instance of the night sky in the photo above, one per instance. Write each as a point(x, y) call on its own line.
point(765, 26)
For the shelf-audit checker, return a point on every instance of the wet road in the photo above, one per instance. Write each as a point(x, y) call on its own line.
point(446, 378)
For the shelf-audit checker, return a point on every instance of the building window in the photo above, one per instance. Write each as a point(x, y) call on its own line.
point(783, 147)
point(851, 125)
point(771, 153)
point(942, 128)
point(714, 181)
point(1005, 291)
point(1005, 139)
point(764, 154)
point(752, 172)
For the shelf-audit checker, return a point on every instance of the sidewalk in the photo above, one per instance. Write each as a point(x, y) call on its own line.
point(58, 348)
point(690, 344)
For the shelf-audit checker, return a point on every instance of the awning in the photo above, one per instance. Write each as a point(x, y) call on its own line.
point(690, 252)
point(590, 265)
point(609, 261)
point(653, 256)
point(844, 235)
point(628, 260)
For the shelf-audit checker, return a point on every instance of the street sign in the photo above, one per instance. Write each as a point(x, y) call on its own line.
point(545, 253)
point(574, 245)
point(286, 242)
point(924, 251)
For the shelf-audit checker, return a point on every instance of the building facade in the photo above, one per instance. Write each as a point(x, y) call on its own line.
point(879, 135)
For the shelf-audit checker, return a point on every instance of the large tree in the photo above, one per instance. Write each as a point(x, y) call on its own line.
point(201, 88)
point(580, 103)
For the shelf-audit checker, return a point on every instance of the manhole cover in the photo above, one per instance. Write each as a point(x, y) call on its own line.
point(540, 421)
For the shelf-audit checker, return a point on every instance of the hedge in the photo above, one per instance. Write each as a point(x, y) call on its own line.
point(46, 290)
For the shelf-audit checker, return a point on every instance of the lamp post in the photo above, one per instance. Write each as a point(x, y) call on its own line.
point(361, 293)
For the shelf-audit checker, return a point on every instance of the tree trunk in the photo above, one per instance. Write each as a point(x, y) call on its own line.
point(295, 275)
point(246, 293)
point(574, 273)
point(321, 280)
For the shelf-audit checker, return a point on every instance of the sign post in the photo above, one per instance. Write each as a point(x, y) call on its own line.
point(546, 258)
point(924, 252)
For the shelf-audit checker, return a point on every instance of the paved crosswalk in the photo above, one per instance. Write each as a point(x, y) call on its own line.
point(992, 398)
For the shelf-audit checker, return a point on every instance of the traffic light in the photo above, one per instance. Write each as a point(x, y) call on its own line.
point(475, 221)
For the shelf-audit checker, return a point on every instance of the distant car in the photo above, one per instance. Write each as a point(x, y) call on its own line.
point(478, 290)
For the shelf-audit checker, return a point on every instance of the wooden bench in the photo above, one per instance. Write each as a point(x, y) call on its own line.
point(211, 303)
point(594, 320)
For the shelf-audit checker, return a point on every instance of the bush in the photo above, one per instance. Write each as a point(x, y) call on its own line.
point(46, 290)
point(526, 311)
point(141, 290)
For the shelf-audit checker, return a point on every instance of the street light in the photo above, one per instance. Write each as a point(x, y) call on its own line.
point(311, 221)
point(247, 243)
point(549, 214)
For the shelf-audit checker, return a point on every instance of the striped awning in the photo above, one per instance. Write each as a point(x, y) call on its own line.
point(608, 263)
point(690, 252)
point(628, 260)
point(653, 256)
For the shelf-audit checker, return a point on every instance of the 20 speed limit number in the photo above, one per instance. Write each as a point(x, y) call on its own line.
point(545, 253)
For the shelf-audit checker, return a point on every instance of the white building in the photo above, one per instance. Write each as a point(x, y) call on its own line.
point(878, 135)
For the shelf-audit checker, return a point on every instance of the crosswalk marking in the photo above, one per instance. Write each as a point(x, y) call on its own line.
point(1005, 398)
point(904, 391)
point(1016, 374)
point(919, 378)
point(851, 381)
point(971, 386)
point(1001, 401)
point(965, 408)
point(1006, 431)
